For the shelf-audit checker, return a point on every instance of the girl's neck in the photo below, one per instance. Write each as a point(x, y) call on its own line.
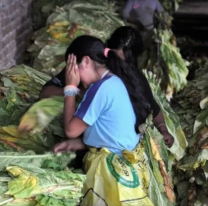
point(99, 73)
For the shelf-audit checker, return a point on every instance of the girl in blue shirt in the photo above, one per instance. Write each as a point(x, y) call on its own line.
point(109, 116)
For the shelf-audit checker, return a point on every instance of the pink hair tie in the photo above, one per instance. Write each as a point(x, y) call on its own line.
point(106, 50)
point(136, 6)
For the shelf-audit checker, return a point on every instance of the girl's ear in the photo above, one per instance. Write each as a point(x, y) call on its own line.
point(86, 61)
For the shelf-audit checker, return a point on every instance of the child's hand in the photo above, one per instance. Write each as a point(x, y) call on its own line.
point(69, 145)
point(72, 72)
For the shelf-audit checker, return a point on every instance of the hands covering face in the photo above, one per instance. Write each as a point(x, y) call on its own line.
point(72, 72)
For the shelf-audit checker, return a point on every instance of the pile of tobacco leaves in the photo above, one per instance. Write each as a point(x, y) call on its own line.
point(31, 175)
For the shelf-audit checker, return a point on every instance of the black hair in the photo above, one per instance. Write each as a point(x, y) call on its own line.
point(94, 48)
point(129, 40)
point(86, 45)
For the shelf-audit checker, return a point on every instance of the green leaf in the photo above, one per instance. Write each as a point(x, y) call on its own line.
point(25, 184)
point(204, 103)
point(21, 202)
point(29, 157)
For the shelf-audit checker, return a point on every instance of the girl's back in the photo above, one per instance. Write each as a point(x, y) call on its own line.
point(107, 108)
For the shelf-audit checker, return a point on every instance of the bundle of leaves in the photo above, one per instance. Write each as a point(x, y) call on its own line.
point(160, 163)
point(171, 119)
point(163, 58)
point(192, 100)
point(30, 179)
point(97, 18)
point(20, 87)
point(192, 108)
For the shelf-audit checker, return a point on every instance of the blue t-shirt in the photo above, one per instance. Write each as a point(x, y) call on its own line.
point(107, 109)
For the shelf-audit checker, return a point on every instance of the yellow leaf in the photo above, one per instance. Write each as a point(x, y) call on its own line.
point(16, 171)
point(166, 178)
point(28, 122)
point(23, 185)
point(155, 151)
point(63, 37)
point(169, 92)
point(10, 130)
point(167, 182)
point(61, 23)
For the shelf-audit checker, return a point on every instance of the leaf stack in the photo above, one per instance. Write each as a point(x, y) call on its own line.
point(33, 180)
point(20, 87)
point(192, 108)
point(97, 18)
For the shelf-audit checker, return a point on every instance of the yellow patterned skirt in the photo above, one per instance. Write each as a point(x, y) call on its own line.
point(116, 181)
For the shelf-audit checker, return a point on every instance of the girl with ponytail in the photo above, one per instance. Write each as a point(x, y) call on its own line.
point(112, 109)
point(128, 44)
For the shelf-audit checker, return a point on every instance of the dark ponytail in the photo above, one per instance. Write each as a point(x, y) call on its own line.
point(129, 58)
point(94, 48)
point(129, 40)
point(129, 77)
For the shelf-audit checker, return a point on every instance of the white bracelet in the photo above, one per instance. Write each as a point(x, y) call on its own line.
point(71, 90)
